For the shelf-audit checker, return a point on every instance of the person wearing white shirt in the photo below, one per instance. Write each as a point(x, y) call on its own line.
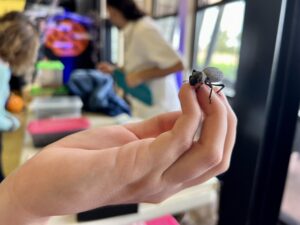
point(148, 58)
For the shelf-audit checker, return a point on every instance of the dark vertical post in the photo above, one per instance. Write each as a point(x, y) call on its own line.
point(256, 61)
point(198, 24)
point(154, 8)
point(282, 113)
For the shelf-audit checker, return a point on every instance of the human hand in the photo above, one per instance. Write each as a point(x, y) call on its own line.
point(106, 67)
point(133, 79)
point(139, 162)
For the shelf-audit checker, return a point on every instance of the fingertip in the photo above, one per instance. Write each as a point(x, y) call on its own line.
point(231, 114)
point(224, 98)
point(203, 93)
point(185, 87)
point(209, 104)
point(187, 97)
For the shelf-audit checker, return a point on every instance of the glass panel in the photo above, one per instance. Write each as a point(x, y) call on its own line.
point(170, 29)
point(140, 3)
point(114, 45)
point(207, 2)
point(145, 5)
point(165, 7)
point(176, 37)
point(290, 208)
point(227, 50)
point(219, 39)
point(207, 26)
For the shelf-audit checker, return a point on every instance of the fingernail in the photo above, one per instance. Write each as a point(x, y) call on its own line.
point(198, 88)
point(205, 87)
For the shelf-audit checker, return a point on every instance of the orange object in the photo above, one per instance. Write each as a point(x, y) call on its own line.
point(15, 104)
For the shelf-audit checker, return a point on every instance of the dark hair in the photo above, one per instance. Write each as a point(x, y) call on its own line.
point(128, 8)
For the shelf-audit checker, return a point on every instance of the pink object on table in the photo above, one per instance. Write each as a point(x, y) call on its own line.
point(47, 131)
point(47, 126)
point(165, 220)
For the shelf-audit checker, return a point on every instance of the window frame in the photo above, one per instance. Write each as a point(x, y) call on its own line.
point(230, 85)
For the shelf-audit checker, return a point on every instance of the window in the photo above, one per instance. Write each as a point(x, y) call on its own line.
point(208, 19)
point(218, 38)
point(169, 27)
point(145, 5)
point(202, 3)
point(114, 45)
point(165, 7)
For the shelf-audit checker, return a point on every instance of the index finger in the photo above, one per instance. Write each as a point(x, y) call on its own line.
point(170, 145)
point(208, 150)
point(228, 148)
point(154, 126)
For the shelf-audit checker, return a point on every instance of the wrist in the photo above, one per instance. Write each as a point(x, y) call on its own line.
point(11, 212)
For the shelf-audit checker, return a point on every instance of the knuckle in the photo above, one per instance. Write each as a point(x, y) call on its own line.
point(168, 182)
point(214, 157)
point(150, 184)
point(181, 92)
point(233, 118)
point(222, 109)
point(223, 167)
point(185, 143)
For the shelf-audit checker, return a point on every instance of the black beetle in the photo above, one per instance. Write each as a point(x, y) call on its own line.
point(210, 76)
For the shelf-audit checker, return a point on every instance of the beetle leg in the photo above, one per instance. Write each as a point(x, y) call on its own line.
point(222, 86)
point(211, 88)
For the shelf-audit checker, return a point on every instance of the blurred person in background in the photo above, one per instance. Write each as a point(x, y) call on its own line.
point(148, 58)
point(19, 41)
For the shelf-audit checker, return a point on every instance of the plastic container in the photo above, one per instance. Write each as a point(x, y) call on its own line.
point(42, 91)
point(50, 73)
point(53, 107)
point(47, 131)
